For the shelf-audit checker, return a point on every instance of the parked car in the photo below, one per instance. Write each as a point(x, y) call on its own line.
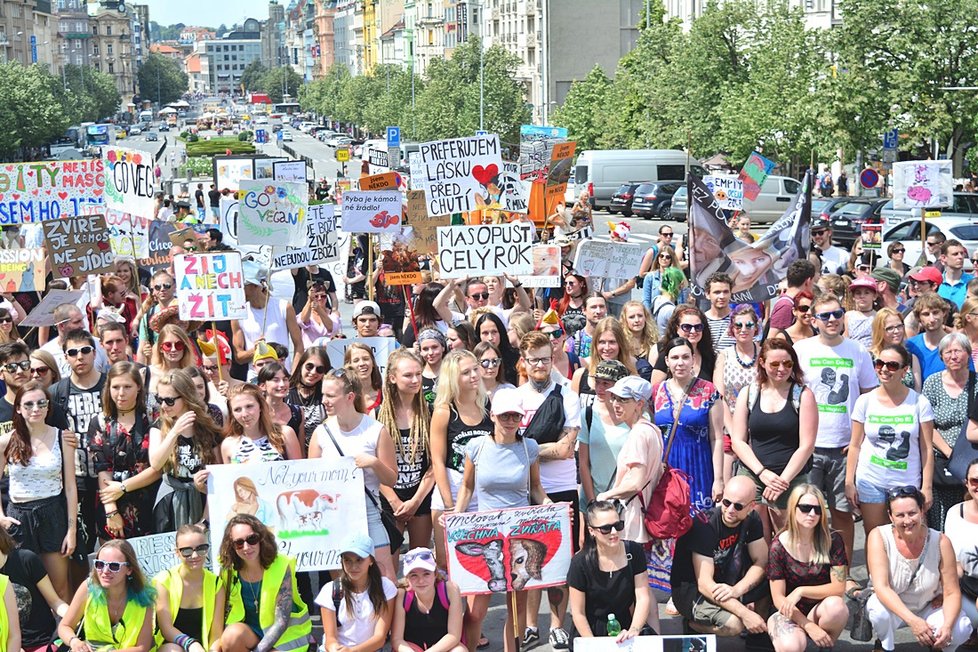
point(822, 207)
point(775, 197)
point(164, 127)
point(961, 228)
point(621, 201)
point(655, 199)
point(287, 136)
point(570, 193)
point(341, 141)
point(965, 204)
point(601, 172)
point(677, 209)
point(848, 217)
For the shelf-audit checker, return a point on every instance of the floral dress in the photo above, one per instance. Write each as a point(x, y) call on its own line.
point(124, 454)
point(691, 451)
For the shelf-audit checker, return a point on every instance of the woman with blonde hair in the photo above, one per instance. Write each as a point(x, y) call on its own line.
point(641, 332)
point(966, 321)
point(173, 350)
point(185, 441)
point(608, 343)
point(251, 434)
point(8, 333)
point(888, 329)
point(359, 358)
point(491, 361)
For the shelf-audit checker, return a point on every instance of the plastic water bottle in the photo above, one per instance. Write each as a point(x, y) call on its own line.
point(614, 627)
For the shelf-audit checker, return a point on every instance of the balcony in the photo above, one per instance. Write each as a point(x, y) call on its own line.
point(531, 40)
point(430, 20)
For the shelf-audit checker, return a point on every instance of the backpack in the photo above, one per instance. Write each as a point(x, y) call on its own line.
point(548, 421)
point(440, 590)
point(753, 392)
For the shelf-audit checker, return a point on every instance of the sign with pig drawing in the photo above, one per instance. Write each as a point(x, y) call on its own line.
point(509, 549)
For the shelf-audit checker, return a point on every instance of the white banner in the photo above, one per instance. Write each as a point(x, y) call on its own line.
point(490, 249)
point(456, 171)
point(130, 185)
point(514, 193)
point(155, 552)
point(128, 234)
point(210, 287)
point(322, 238)
point(608, 259)
point(272, 213)
point(372, 211)
point(922, 184)
point(671, 643)
point(312, 506)
point(728, 190)
point(289, 171)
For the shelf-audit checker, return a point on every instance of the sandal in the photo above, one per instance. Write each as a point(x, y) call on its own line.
point(483, 642)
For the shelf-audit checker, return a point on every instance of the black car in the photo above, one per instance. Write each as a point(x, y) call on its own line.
point(822, 207)
point(654, 199)
point(847, 219)
point(621, 201)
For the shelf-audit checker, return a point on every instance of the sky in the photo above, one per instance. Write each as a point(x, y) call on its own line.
point(207, 13)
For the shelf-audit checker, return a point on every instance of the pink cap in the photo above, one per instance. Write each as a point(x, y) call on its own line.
point(864, 282)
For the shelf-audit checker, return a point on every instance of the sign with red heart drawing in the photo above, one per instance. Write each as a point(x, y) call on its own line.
point(514, 549)
point(78, 246)
point(49, 190)
point(458, 172)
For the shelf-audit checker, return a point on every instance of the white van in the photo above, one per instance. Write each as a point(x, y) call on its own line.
point(602, 171)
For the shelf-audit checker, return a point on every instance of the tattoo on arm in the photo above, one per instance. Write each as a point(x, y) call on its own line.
point(838, 573)
point(283, 609)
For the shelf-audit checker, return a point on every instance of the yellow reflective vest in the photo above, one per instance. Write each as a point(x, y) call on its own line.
point(299, 628)
point(99, 631)
point(173, 583)
point(4, 621)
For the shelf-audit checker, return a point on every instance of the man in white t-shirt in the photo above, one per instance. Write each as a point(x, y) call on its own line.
point(837, 370)
point(554, 425)
point(833, 258)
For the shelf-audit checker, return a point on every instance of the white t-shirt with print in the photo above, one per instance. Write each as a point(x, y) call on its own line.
point(890, 453)
point(836, 375)
point(354, 629)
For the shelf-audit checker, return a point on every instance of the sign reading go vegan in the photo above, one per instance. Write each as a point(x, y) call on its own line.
point(272, 213)
point(491, 249)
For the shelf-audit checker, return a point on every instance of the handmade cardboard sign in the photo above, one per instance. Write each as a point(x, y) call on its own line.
point(130, 185)
point(210, 287)
point(78, 246)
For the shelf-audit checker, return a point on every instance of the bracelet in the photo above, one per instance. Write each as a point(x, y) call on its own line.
point(109, 515)
point(517, 285)
point(123, 485)
point(73, 639)
point(763, 469)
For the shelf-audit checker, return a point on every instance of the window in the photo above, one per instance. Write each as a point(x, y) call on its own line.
point(111, 69)
point(108, 49)
point(108, 30)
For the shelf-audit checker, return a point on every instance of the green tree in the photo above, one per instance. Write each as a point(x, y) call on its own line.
point(278, 82)
point(323, 94)
point(252, 77)
point(31, 111)
point(583, 112)
point(161, 79)
point(89, 95)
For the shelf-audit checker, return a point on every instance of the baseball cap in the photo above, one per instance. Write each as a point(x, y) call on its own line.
point(359, 544)
point(928, 274)
point(366, 308)
point(819, 225)
point(419, 558)
point(507, 400)
point(562, 241)
point(889, 276)
point(864, 282)
point(632, 387)
point(612, 370)
point(254, 274)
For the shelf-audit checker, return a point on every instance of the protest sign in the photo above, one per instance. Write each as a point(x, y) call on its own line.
point(872, 236)
point(668, 643)
point(78, 245)
point(400, 263)
point(536, 147)
point(180, 237)
point(312, 506)
point(490, 249)
point(756, 170)
point(514, 193)
point(159, 245)
point(728, 190)
point(560, 168)
point(378, 159)
point(416, 170)
point(755, 268)
point(608, 259)
point(322, 238)
point(385, 181)
point(515, 549)
point(49, 190)
point(289, 171)
point(130, 185)
point(272, 213)
point(210, 287)
point(417, 207)
point(382, 347)
point(922, 184)
point(43, 312)
point(128, 234)
point(457, 173)
point(228, 223)
point(231, 171)
point(265, 167)
point(424, 232)
point(155, 552)
point(23, 270)
point(546, 268)
point(371, 211)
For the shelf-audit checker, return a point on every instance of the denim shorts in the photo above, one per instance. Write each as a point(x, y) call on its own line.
point(870, 493)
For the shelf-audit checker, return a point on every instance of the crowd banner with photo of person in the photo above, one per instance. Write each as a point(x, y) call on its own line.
point(130, 184)
point(922, 184)
point(756, 169)
point(513, 549)
point(210, 287)
point(322, 241)
point(272, 213)
point(756, 269)
point(667, 643)
point(311, 506)
point(488, 249)
point(78, 246)
point(50, 190)
point(457, 174)
point(872, 236)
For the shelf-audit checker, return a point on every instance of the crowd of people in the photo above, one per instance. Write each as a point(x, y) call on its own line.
point(849, 397)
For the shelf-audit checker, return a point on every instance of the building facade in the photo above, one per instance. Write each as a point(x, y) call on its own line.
point(112, 48)
point(223, 60)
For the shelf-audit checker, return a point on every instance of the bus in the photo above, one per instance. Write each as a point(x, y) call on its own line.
point(98, 134)
point(145, 117)
point(287, 108)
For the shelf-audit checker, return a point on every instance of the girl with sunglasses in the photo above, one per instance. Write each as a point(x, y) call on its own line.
point(172, 351)
point(807, 569)
point(492, 367)
point(773, 430)
point(7, 331)
point(316, 320)
point(118, 442)
point(265, 611)
point(688, 323)
point(190, 599)
point(306, 390)
point(575, 291)
point(736, 368)
point(114, 607)
point(608, 577)
point(859, 320)
point(490, 328)
point(429, 611)
point(804, 326)
point(181, 445)
point(892, 440)
point(162, 295)
point(433, 347)
point(608, 343)
point(652, 283)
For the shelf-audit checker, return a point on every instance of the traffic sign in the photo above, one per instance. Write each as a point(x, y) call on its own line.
point(343, 154)
point(891, 138)
point(393, 137)
point(261, 136)
point(481, 132)
point(869, 178)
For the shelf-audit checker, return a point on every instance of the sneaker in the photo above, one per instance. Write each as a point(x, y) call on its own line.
point(671, 609)
point(531, 635)
point(559, 639)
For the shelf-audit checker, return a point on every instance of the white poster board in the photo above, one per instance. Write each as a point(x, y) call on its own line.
point(289, 171)
point(272, 213)
point(43, 312)
point(728, 189)
point(546, 268)
point(670, 643)
point(322, 238)
point(372, 211)
point(156, 552)
point(608, 259)
point(210, 287)
point(514, 193)
point(488, 249)
point(457, 171)
point(130, 184)
point(922, 184)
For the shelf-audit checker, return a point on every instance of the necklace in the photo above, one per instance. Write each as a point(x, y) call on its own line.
point(255, 592)
point(749, 363)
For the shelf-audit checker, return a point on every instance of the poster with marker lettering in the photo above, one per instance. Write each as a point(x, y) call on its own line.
point(210, 287)
point(272, 213)
point(49, 190)
point(514, 549)
point(78, 246)
point(312, 506)
point(130, 185)
point(457, 174)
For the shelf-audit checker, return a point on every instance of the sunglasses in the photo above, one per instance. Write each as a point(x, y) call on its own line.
point(188, 551)
point(162, 286)
point(809, 509)
point(899, 251)
point(606, 529)
point(6, 320)
point(667, 235)
point(905, 491)
point(510, 416)
point(826, 316)
point(12, 367)
point(209, 368)
point(973, 483)
point(818, 233)
point(172, 346)
point(557, 334)
point(489, 364)
point(666, 256)
point(805, 307)
point(863, 268)
point(318, 368)
point(481, 296)
point(421, 553)
point(252, 540)
point(40, 405)
point(166, 400)
point(891, 365)
point(737, 506)
point(40, 371)
point(73, 353)
point(691, 328)
point(745, 325)
point(113, 566)
point(781, 364)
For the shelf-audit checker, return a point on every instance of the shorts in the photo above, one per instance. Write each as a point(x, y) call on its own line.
point(693, 606)
point(43, 523)
point(424, 509)
point(871, 493)
point(375, 526)
point(571, 497)
point(782, 501)
point(454, 481)
point(828, 473)
point(216, 212)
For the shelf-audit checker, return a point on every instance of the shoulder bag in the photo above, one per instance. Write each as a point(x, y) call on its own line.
point(964, 451)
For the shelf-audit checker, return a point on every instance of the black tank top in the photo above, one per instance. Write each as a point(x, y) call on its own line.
point(425, 629)
point(189, 621)
point(773, 437)
point(586, 393)
point(460, 434)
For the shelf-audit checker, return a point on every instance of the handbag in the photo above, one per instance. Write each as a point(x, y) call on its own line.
point(964, 451)
point(386, 518)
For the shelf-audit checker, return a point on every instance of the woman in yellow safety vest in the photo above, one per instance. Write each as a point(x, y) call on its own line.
point(262, 590)
point(115, 605)
point(9, 617)
point(189, 596)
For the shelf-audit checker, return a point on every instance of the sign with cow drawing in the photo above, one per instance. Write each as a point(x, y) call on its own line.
point(312, 506)
point(509, 549)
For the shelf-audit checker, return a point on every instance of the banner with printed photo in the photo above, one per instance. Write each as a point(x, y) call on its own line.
point(312, 506)
point(728, 189)
point(536, 149)
point(128, 234)
point(400, 262)
point(923, 184)
point(872, 236)
point(608, 259)
point(322, 240)
point(78, 246)
point(264, 168)
point(513, 549)
point(457, 173)
point(546, 267)
point(23, 270)
point(558, 174)
point(49, 190)
point(231, 171)
point(756, 269)
point(272, 213)
point(381, 347)
point(485, 250)
point(372, 211)
point(130, 185)
point(210, 287)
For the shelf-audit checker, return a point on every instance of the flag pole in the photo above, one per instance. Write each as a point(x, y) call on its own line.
point(217, 347)
point(268, 288)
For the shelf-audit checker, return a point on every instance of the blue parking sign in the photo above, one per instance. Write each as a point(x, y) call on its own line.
point(891, 139)
point(393, 137)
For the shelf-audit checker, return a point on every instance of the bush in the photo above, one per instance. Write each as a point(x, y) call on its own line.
point(245, 136)
point(184, 135)
point(193, 138)
point(218, 146)
point(200, 166)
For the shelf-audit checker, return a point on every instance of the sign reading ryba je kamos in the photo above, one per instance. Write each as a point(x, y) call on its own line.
point(455, 172)
point(129, 182)
point(372, 211)
point(49, 190)
point(210, 287)
point(272, 213)
point(490, 249)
